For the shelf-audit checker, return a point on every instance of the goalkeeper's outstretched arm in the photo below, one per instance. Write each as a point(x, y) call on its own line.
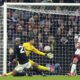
point(49, 55)
point(35, 50)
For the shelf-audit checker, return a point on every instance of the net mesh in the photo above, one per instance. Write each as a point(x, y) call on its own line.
point(55, 30)
point(1, 40)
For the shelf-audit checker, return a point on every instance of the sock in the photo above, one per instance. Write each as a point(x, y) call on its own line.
point(43, 68)
point(10, 73)
point(76, 72)
point(73, 68)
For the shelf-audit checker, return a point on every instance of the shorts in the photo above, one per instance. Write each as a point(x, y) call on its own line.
point(21, 67)
point(76, 56)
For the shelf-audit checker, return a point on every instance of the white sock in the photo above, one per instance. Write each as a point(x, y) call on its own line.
point(73, 68)
point(76, 72)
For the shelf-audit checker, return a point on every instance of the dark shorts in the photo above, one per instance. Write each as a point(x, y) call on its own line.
point(76, 56)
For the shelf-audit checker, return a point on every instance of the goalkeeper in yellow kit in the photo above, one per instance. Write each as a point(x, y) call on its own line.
point(29, 47)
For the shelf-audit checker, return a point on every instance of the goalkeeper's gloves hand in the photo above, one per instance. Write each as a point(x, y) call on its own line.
point(50, 55)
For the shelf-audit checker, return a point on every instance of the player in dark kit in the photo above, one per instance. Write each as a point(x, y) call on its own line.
point(20, 56)
point(19, 53)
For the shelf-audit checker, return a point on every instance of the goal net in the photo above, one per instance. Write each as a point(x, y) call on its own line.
point(55, 26)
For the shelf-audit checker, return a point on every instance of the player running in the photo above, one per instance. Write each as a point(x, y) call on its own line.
point(76, 58)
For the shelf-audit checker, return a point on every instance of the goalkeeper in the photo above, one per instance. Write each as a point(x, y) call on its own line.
point(29, 47)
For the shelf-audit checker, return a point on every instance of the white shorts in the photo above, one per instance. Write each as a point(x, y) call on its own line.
point(20, 67)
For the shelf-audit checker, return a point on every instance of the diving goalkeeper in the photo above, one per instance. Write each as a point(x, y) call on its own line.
point(29, 47)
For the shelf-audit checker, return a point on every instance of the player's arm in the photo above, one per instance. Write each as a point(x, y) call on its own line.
point(12, 56)
point(49, 55)
point(35, 50)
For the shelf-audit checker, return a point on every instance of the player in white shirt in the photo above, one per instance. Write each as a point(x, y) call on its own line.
point(75, 59)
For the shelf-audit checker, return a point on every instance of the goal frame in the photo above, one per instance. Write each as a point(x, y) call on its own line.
point(5, 24)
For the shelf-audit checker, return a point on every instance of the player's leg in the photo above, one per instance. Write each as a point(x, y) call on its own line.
point(10, 73)
point(17, 68)
point(73, 67)
point(40, 67)
point(7, 74)
point(14, 73)
point(34, 64)
point(17, 73)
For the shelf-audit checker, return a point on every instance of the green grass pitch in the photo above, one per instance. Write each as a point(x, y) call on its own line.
point(41, 78)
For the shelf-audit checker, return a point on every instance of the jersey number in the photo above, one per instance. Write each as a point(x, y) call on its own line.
point(21, 49)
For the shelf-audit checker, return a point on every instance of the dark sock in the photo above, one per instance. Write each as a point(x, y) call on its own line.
point(20, 74)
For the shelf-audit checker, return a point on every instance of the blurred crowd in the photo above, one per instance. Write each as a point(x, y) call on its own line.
point(53, 1)
point(55, 30)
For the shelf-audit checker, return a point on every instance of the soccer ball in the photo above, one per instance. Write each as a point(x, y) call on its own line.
point(47, 48)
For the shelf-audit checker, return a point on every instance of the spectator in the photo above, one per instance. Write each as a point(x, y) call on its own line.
point(51, 42)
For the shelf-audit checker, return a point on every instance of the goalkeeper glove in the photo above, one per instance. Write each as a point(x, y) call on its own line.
point(50, 55)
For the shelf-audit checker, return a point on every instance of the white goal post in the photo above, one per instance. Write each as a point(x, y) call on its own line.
point(1, 39)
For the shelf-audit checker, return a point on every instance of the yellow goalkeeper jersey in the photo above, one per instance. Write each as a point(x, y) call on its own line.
point(30, 48)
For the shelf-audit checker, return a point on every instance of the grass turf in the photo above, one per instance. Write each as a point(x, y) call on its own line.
point(41, 78)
